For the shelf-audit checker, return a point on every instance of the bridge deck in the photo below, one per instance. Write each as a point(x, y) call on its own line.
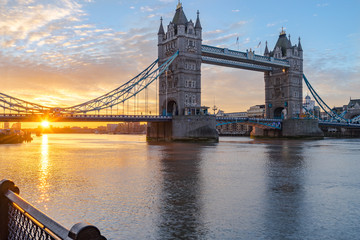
point(83, 118)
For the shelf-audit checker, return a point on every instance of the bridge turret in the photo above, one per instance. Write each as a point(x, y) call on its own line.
point(300, 49)
point(161, 32)
point(161, 38)
point(198, 28)
point(266, 52)
point(282, 45)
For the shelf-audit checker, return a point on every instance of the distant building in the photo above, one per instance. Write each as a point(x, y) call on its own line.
point(237, 114)
point(353, 104)
point(324, 116)
point(16, 126)
point(337, 110)
point(310, 110)
point(352, 109)
point(233, 128)
point(309, 104)
point(111, 128)
point(220, 113)
point(257, 111)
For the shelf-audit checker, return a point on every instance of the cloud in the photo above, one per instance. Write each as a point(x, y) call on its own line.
point(333, 73)
point(273, 24)
point(322, 5)
point(219, 41)
point(146, 9)
point(227, 36)
point(61, 54)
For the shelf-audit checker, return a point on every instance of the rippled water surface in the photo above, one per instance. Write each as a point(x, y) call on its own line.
point(236, 189)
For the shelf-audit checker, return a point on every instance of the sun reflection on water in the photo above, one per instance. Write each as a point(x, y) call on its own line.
point(44, 171)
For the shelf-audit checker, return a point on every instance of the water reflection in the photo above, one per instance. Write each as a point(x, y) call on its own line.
point(180, 209)
point(44, 171)
point(285, 189)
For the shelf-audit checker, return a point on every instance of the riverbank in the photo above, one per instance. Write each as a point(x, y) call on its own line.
point(14, 138)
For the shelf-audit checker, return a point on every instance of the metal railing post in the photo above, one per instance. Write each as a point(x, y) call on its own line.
point(20, 220)
point(5, 186)
point(85, 231)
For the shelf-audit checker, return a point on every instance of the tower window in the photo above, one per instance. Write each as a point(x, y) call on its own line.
point(193, 99)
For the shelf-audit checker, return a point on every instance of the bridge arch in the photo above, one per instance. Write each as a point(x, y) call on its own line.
point(172, 107)
point(278, 112)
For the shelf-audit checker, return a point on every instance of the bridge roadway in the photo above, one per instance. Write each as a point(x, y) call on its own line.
point(267, 123)
point(10, 117)
point(273, 123)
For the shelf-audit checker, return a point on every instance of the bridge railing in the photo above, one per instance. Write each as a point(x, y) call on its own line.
point(20, 220)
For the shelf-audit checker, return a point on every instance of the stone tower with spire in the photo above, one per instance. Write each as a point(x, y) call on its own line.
point(180, 85)
point(283, 87)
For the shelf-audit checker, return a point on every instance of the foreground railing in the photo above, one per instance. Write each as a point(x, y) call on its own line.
point(20, 220)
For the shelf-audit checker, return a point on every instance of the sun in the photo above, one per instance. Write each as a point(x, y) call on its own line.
point(45, 124)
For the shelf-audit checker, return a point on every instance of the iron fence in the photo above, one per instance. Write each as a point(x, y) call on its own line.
point(20, 220)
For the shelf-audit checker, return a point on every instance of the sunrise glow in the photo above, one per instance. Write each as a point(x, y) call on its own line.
point(87, 48)
point(45, 124)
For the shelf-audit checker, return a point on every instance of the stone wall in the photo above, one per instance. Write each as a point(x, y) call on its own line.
point(159, 131)
point(194, 128)
point(197, 128)
point(291, 128)
point(300, 128)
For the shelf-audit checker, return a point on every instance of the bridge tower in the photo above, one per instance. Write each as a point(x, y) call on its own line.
point(283, 87)
point(180, 86)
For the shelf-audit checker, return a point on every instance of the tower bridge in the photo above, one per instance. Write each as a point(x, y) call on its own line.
point(178, 72)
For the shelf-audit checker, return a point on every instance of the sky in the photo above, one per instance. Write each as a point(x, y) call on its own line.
point(65, 52)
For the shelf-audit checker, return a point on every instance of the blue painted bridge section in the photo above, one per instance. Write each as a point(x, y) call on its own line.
point(82, 118)
point(258, 122)
point(277, 123)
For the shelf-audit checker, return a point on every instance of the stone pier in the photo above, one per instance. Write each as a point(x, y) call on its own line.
point(291, 128)
point(192, 128)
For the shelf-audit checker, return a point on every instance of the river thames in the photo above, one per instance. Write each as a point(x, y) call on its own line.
point(238, 188)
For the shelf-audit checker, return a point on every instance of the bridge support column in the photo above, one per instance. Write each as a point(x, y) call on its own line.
point(291, 128)
point(301, 128)
point(197, 128)
point(159, 132)
point(192, 128)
